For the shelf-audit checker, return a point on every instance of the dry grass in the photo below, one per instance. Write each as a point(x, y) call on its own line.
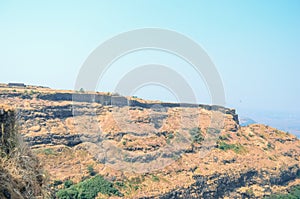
point(21, 175)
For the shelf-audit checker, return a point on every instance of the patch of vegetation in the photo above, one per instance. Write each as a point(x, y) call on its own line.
point(225, 137)
point(262, 136)
point(89, 189)
point(68, 183)
point(273, 158)
point(155, 178)
point(237, 148)
point(196, 135)
point(270, 145)
point(91, 170)
point(81, 90)
point(133, 184)
point(293, 193)
point(120, 184)
point(32, 92)
point(49, 151)
point(170, 136)
point(250, 193)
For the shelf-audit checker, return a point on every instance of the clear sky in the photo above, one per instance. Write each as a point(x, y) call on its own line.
point(255, 45)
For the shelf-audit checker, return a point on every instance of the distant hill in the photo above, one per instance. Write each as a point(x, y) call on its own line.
point(245, 121)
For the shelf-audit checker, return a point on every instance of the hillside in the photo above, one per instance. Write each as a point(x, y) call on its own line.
point(150, 149)
point(21, 175)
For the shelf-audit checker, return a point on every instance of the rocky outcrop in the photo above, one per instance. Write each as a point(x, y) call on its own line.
point(123, 101)
point(226, 185)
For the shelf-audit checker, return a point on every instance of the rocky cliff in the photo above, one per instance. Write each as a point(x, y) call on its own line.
point(150, 149)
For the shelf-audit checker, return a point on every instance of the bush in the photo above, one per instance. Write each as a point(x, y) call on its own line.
point(81, 90)
point(196, 135)
point(88, 189)
point(155, 178)
point(91, 170)
point(237, 148)
point(270, 146)
point(67, 194)
point(49, 151)
point(68, 183)
point(294, 193)
point(225, 137)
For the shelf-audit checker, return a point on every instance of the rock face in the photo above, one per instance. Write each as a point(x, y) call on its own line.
point(155, 149)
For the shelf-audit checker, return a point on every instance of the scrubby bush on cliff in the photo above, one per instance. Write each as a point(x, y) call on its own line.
point(91, 170)
point(68, 183)
point(294, 193)
point(196, 135)
point(88, 189)
point(238, 148)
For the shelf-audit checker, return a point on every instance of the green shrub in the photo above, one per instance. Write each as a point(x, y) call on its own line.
point(170, 136)
point(88, 189)
point(225, 137)
point(91, 170)
point(120, 184)
point(49, 151)
point(262, 136)
point(67, 194)
point(68, 183)
point(250, 193)
point(294, 193)
point(155, 178)
point(237, 148)
point(81, 90)
point(270, 146)
point(196, 135)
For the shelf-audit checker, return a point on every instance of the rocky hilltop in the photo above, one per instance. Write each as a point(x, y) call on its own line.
point(151, 149)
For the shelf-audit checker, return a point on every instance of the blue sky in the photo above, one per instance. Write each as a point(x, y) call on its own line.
point(255, 45)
